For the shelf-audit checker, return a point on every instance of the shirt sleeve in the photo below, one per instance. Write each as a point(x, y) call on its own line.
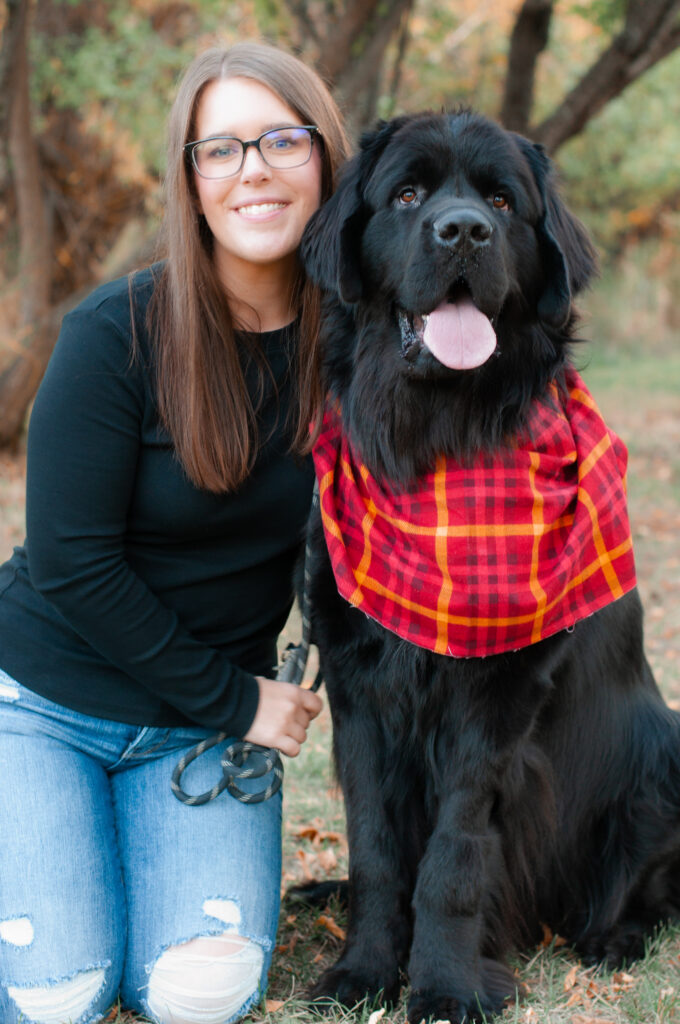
point(83, 445)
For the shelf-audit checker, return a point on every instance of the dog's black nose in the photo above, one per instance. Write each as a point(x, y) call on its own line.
point(463, 229)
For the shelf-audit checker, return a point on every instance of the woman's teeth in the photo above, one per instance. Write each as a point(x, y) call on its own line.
point(260, 208)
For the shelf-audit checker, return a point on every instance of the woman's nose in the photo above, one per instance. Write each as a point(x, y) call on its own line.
point(254, 167)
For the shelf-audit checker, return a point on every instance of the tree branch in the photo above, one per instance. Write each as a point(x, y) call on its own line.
point(349, 42)
point(299, 11)
point(397, 67)
point(528, 40)
point(651, 32)
point(359, 78)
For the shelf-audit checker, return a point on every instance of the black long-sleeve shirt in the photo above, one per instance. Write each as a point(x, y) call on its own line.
point(137, 596)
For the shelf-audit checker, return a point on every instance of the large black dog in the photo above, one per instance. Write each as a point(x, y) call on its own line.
point(485, 795)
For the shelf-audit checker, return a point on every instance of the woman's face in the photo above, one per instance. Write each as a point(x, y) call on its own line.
point(257, 215)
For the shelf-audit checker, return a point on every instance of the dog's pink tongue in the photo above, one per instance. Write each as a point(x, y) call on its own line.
point(459, 335)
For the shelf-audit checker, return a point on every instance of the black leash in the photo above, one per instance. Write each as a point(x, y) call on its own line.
point(244, 760)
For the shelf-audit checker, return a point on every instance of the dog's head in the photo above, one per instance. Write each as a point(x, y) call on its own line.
point(456, 223)
point(449, 265)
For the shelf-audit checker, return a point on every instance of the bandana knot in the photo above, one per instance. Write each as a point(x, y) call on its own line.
point(476, 560)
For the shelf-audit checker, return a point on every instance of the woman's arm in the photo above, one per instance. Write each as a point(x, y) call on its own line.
point(83, 446)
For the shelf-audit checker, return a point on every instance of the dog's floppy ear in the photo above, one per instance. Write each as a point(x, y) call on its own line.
point(569, 255)
point(331, 244)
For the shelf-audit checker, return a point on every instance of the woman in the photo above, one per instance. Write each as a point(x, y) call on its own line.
point(167, 493)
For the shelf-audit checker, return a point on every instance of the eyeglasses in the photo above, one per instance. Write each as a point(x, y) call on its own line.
point(221, 156)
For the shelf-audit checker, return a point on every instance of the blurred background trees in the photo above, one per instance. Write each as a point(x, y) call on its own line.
point(85, 87)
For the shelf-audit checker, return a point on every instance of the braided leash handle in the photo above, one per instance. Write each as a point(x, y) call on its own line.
point(244, 760)
point(241, 759)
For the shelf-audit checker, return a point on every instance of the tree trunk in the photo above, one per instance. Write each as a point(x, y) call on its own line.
point(19, 380)
point(529, 38)
point(11, 33)
point(349, 41)
point(651, 31)
point(359, 83)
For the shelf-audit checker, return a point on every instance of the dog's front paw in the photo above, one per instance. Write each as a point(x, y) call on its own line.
point(496, 986)
point(617, 948)
point(349, 986)
point(427, 1005)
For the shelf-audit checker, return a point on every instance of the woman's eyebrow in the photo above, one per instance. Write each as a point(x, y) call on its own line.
point(227, 134)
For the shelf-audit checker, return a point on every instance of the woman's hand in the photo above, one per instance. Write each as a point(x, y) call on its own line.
point(283, 716)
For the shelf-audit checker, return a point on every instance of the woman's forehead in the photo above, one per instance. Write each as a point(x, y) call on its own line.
point(241, 107)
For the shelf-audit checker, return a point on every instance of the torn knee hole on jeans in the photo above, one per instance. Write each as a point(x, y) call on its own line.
point(224, 910)
point(58, 1001)
point(208, 979)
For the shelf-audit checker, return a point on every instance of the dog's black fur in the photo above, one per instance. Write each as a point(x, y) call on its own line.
point(484, 796)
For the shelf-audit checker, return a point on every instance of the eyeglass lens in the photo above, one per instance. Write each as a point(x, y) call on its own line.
point(281, 147)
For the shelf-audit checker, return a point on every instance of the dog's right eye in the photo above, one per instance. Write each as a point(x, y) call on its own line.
point(408, 197)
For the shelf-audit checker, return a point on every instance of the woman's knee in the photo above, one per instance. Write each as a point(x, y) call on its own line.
point(82, 997)
point(211, 979)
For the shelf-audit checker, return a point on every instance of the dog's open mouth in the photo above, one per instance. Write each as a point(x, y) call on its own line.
point(457, 333)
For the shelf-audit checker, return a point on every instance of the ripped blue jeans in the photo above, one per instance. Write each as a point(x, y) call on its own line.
point(109, 885)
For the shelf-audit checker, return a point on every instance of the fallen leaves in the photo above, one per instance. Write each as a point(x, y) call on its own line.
point(304, 860)
point(331, 925)
point(584, 990)
point(551, 939)
point(588, 996)
point(321, 852)
point(570, 978)
point(317, 835)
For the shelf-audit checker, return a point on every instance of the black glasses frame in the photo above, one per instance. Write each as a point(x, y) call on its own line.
point(190, 148)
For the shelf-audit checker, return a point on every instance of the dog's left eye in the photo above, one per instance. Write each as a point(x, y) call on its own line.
point(499, 201)
point(408, 197)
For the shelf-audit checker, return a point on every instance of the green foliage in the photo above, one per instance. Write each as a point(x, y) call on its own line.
point(273, 20)
point(606, 14)
point(127, 66)
point(627, 157)
point(453, 58)
point(127, 69)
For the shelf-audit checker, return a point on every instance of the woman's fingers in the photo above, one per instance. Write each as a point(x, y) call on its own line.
point(283, 715)
point(311, 702)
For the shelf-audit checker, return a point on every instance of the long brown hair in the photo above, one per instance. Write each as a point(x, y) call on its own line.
point(202, 396)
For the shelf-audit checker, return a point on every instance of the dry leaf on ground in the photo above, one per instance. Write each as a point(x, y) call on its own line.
point(272, 1005)
point(330, 924)
point(570, 979)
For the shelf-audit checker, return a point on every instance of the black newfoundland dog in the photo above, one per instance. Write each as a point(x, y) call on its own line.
point(506, 758)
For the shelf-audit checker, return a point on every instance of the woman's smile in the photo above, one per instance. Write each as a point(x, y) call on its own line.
point(260, 210)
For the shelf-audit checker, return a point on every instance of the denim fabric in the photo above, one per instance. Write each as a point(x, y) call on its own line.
point(102, 869)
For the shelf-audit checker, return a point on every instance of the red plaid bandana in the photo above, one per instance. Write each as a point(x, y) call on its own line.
point(471, 561)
